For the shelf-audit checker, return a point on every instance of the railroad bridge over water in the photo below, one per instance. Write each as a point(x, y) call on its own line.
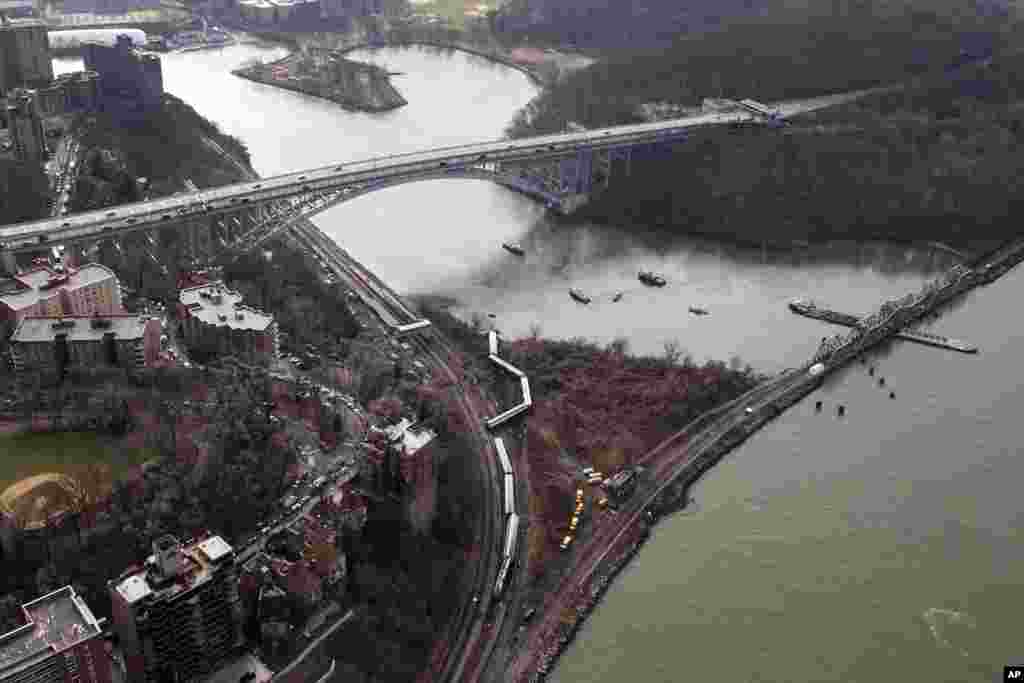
point(563, 170)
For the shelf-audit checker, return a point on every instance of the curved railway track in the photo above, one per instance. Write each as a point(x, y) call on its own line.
point(461, 638)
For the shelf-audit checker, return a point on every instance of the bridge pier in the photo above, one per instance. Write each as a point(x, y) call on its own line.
point(8, 263)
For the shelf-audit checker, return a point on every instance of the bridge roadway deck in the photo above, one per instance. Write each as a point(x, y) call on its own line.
point(173, 210)
point(928, 339)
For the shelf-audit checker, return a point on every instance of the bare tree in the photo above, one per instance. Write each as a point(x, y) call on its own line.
point(673, 351)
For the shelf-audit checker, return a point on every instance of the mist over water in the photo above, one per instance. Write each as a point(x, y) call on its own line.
point(745, 290)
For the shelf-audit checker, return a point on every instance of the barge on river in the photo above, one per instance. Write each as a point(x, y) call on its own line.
point(811, 310)
point(579, 296)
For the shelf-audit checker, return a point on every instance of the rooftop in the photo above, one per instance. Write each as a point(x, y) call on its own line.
point(200, 559)
point(55, 622)
point(42, 282)
point(16, 24)
point(412, 436)
point(215, 304)
point(80, 328)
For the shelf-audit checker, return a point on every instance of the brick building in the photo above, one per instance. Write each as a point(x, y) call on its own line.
point(125, 341)
point(69, 93)
point(24, 55)
point(25, 123)
point(179, 618)
point(58, 643)
point(213, 320)
point(53, 292)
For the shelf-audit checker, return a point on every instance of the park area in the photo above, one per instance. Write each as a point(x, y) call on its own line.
point(88, 457)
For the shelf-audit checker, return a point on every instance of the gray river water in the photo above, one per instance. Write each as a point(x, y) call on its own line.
point(883, 546)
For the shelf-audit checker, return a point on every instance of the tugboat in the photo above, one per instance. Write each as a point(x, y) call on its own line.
point(579, 296)
point(803, 307)
point(696, 310)
point(617, 297)
point(650, 279)
point(513, 247)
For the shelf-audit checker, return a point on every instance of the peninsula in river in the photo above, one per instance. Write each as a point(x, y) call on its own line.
point(353, 85)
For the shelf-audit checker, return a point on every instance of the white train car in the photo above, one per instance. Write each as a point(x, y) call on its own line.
point(402, 330)
point(506, 464)
point(499, 585)
point(526, 391)
point(508, 367)
point(510, 495)
point(502, 418)
point(511, 535)
point(758, 108)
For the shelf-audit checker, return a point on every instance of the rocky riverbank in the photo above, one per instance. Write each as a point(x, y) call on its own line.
point(354, 85)
point(589, 599)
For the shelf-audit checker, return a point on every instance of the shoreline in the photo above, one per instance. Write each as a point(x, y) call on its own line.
point(672, 496)
point(393, 99)
point(533, 74)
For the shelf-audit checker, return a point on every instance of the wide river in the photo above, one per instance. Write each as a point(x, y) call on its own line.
point(884, 546)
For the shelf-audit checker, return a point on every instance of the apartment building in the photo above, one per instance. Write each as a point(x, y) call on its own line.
point(25, 122)
point(179, 616)
point(46, 291)
point(58, 643)
point(69, 93)
point(126, 341)
point(213, 320)
point(415, 457)
point(24, 55)
point(129, 79)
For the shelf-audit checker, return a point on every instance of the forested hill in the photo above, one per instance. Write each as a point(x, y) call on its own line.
point(630, 25)
point(937, 161)
point(790, 54)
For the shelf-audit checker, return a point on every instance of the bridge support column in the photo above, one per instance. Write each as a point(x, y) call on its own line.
point(8, 264)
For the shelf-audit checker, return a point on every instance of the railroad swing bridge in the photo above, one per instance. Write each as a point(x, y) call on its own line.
point(563, 170)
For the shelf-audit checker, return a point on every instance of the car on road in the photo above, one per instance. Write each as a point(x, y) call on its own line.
point(748, 410)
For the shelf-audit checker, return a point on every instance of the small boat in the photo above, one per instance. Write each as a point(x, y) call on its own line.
point(579, 296)
point(650, 279)
point(696, 310)
point(617, 297)
point(513, 247)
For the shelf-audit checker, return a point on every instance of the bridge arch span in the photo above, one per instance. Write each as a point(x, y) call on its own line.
point(531, 186)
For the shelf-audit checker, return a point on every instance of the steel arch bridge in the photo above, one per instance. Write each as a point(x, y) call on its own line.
point(562, 170)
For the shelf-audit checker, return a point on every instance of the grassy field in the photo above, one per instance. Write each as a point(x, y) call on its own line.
point(25, 455)
point(454, 11)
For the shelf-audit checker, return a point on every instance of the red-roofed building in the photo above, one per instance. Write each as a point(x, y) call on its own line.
point(45, 291)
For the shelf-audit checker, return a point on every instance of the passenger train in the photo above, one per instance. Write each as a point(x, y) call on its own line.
point(511, 519)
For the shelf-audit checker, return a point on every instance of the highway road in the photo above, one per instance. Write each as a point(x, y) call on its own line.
point(64, 174)
point(365, 175)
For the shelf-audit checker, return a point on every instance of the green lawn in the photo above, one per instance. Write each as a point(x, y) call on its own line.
point(25, 455)
point(452, 10)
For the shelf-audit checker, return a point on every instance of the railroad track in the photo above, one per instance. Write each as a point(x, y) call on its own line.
point(370, 286)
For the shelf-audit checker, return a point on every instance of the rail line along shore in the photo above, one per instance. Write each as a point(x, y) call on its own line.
point(672, 496)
